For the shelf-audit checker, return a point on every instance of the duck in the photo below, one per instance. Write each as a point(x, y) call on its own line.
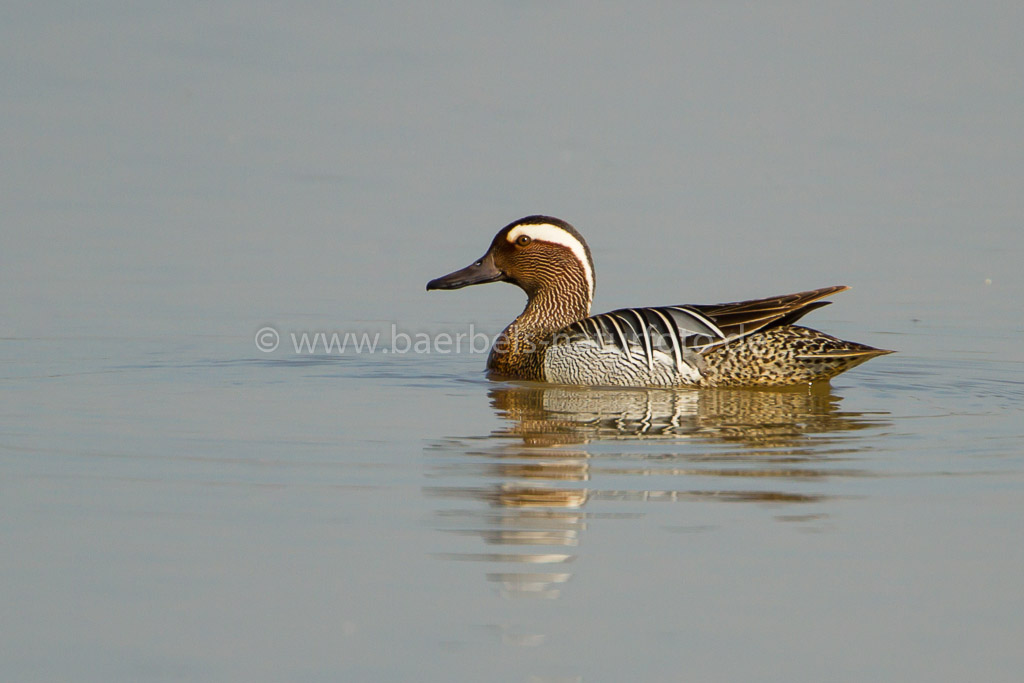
point(556, 339)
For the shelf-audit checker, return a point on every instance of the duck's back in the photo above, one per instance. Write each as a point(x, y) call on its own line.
point(737, 344)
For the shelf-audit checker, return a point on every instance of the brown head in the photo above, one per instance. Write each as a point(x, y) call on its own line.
point(544, 256)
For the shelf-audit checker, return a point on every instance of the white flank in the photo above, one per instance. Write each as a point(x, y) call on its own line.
point(546, 232)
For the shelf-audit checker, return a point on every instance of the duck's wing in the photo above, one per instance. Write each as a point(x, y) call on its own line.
point(681, 331)
point(741, 318)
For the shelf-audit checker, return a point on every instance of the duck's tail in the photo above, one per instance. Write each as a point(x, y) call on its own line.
point(787, 354)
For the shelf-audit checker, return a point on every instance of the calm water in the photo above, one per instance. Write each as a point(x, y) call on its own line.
point(177, 503)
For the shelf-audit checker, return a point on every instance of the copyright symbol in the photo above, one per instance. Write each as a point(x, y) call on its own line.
point(267, 339)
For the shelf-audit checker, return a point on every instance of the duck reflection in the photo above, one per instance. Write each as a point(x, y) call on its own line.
point(547, 416)
point(561, 449)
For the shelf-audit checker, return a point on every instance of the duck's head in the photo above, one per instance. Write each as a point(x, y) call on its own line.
point(540, 254)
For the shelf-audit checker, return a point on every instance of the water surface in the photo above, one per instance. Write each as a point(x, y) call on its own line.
point(178, 502)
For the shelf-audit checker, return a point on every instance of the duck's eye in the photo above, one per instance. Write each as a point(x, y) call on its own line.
point(524, 240)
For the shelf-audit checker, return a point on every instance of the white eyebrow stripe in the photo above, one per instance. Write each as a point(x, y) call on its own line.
point(546, 232)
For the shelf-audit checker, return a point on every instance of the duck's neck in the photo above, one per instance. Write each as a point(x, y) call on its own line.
point(552, 308)
point(518, 351)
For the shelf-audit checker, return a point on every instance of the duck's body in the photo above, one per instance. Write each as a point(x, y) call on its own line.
point(555, 339)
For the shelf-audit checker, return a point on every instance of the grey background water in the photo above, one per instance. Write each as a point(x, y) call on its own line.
point(176, 504)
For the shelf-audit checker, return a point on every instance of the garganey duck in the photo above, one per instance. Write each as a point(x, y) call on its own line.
point(555, 339)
